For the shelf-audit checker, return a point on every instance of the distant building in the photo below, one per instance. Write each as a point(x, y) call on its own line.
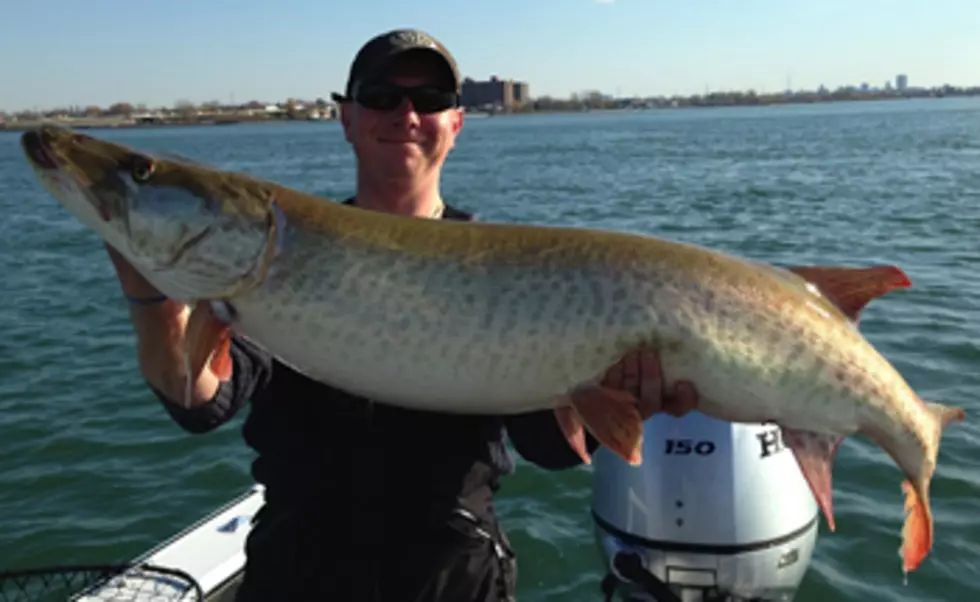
point(522, 92)
point(495, 91)
point(902, 81)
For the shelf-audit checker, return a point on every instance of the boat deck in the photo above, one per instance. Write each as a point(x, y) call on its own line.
point(211, 551)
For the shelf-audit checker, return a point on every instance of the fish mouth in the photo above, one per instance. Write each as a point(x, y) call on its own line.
point(37, 151)
point(41, 146)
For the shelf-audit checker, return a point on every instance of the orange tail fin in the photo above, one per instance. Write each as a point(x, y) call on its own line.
point(917, 532)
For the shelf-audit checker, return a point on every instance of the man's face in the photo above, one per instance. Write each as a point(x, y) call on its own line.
point(404, 142)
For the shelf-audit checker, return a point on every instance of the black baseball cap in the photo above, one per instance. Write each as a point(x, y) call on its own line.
point(374, 58)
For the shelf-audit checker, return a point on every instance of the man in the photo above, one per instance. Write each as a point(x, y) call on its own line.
point(366, 501)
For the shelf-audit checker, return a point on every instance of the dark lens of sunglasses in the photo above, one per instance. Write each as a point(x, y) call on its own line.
point(432, 101)
point(425, 100)
point(380, 99)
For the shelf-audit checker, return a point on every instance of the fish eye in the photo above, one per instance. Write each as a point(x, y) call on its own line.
point(142, 170)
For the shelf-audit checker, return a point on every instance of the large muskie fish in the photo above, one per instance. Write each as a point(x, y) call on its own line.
point(499, 318)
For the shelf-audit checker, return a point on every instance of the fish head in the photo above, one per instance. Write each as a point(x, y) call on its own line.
point(194, 232)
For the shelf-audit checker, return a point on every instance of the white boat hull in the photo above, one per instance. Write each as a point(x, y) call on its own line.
point(212, 551)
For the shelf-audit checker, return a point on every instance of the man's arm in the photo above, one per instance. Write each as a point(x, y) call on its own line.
point(160, 328)
point(251, 371)
point(538, 439)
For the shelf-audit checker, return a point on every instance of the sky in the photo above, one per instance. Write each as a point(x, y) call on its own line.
point(56, 53)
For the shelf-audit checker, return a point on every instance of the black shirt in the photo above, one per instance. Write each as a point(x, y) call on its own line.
point(317, 442)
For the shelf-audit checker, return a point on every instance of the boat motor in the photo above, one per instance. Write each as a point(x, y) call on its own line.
point(717, 512)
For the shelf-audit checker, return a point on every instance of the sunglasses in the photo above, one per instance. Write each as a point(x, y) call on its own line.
point(425, 99)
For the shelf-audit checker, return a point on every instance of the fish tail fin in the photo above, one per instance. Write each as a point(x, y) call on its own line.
point(917, 529)
point(917, 532)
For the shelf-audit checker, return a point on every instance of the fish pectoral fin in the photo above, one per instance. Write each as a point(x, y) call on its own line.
point(207, 343)
point(574, 432)
point(815, 454)
point(613, 418)
point(851, 289)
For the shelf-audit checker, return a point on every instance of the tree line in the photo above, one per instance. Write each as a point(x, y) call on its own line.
point(185, 108)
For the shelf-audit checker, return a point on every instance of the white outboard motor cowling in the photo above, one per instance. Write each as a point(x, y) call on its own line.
point(717, 512)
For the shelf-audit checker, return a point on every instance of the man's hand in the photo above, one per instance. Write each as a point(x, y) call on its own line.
point(160, 330)
point(639, 373)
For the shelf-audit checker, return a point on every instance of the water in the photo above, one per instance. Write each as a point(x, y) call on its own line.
point(92, 469)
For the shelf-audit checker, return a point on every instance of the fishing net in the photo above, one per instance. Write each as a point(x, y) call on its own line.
point(99, 583)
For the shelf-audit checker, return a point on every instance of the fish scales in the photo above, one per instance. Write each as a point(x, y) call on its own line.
point(497, 313)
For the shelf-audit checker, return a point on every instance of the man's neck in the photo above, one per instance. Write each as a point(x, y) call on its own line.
point(422, 200)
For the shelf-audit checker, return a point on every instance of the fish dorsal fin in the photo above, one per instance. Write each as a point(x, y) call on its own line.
point(851, 289)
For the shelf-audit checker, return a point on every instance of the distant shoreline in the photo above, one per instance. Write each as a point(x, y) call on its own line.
point(122, 123)
point(119, 122)
point(731, 100)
